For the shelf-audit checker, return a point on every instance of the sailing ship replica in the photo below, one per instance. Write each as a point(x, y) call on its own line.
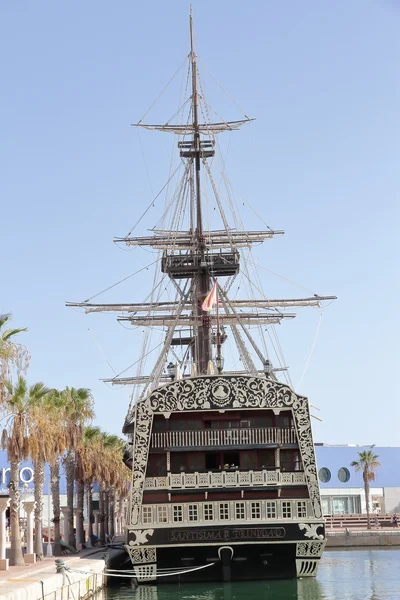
point(224, 478)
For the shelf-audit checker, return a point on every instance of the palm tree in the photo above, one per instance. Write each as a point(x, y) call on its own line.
point(78, 411)
point(56, 405)
point(47, 443)
point(11, 353)
point(87, 456)
point(367, 463)
point(16, 438)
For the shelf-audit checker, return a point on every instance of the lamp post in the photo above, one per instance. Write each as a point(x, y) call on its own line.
point(268, 368)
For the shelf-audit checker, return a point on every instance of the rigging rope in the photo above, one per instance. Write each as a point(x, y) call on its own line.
point(312, 351)
point(122, 280)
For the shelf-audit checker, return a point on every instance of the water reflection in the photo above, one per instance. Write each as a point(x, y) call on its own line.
point(302, 589)
point(371, 574)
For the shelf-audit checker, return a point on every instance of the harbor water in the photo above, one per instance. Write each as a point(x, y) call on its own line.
point(372, 574)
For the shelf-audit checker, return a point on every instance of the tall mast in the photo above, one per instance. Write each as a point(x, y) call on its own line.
point(196, 132)
point(202, 348)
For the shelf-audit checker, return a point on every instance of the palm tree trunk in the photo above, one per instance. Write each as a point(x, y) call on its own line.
point(69, 464)
point(112, 513)
point(366, 488)
point(55, 493)
point(106, 507)
point(90, 512)
point(102, 533)
point(39, 481)
point(80, 498)
point(16, 556)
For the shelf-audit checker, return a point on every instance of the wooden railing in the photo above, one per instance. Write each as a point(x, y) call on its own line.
point(223, 479)
point(223, 437)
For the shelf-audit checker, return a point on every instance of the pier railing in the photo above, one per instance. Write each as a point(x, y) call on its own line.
point(223, 437)
point(225, 479)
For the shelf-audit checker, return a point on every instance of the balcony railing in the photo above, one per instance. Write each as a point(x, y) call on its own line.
point(223, 437)
point(224, 479)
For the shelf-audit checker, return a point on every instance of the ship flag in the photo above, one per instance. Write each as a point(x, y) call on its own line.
point(211, 299)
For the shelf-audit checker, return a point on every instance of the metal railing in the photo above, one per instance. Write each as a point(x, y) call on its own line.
point(223, 479)
point(224, 437)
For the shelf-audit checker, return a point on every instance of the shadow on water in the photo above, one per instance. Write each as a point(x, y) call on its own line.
point(305, 589)
point(371, 574)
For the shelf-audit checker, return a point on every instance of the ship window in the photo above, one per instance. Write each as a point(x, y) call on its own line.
point(343, 474)
point(158, 425)
point(213, 461)
point(271, 510)
point(178, 462)
point(178, 514)
point(185, 424)
point(266, 458)
point(224, 511)
point(195, 461)
point(162, 514)
point(240, 512)
point(286, 510)
point(290, 460)
point(248, 460)
point(302, 510)
point(193, 512)
point(231, 460)
point(208, 512)
point(324, 475)
point(147, 516)
point(256, 510)
point(157, 465)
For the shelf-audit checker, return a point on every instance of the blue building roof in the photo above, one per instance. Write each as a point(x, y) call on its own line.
point(334, 458)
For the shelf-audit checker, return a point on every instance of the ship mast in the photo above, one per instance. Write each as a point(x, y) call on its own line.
point(201, 350)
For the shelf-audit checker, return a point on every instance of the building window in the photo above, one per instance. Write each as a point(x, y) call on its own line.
point(240, 511)
point(302, 509)
point(162, 514)
point(147, 516)
point(324, 475)
point(286, 510)
point(224, 511)
point(256, 510)
point(178, 514)
point(208, 512)
point(271, 510)
point(343, 475)
point(193, 512)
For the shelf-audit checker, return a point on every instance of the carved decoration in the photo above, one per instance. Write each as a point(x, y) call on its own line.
point(214, 393)
point(311, 530)
point(140, 536)
point(142, 555)
point(309, 549)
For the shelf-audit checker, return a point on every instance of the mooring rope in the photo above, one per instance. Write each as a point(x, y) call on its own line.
point(134, 574)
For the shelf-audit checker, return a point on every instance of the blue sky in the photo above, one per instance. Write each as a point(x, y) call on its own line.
point(320, 162)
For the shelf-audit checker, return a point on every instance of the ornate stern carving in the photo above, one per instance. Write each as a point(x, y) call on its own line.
point(140, 536)
point(311, 530)
point(214, 393)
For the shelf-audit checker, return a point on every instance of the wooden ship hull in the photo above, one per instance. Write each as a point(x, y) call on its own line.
point(229, 523)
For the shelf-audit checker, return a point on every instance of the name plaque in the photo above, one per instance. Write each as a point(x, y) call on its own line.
point(227, 534)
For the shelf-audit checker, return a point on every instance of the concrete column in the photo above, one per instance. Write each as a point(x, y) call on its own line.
point(77, 530)
point(29, 507)
point(96, 523)
point(64, 510)
point(3, 507)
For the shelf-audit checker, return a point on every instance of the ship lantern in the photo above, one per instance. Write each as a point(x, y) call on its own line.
point(219, 361)
point(268, 368)
point(171, 370)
